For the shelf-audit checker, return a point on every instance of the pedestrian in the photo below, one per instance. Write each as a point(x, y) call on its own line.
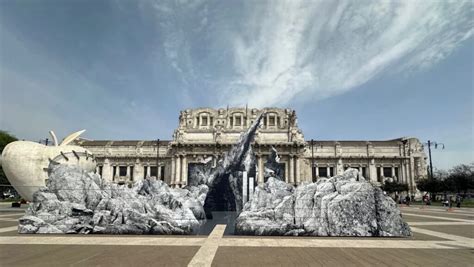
point(407, 200)
point(458, 201)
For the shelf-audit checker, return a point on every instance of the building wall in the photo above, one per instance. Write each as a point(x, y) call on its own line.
point(205, 134)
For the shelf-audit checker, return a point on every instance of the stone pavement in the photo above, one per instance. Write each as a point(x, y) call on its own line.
point(440, 238)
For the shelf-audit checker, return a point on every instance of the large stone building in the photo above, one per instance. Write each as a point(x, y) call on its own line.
point(205, 134)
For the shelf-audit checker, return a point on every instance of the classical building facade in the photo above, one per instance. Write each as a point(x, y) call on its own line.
point(205, 134)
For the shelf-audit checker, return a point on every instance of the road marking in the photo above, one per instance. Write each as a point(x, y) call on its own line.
point(436, 217)
point(11, 214)
point(207, 252)
point(440, 223)
point(8, 229)
point(8, 220)
point(47, 239)
point(454, 212)
point(464, 241)
point(340, 243)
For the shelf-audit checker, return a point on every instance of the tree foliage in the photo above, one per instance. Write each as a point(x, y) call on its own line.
point(460, 179)
point(391, 187)
point(5, 139)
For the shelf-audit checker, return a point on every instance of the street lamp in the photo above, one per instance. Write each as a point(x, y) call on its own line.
point(436, 145)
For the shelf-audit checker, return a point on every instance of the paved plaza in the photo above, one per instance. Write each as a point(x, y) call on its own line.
point(440, 238)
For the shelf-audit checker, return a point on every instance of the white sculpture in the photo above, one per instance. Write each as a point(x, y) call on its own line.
point(26, 163)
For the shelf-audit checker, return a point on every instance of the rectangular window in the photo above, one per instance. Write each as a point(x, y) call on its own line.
point(396, 173)
point(123, 171)
point(101, 168)
point(238, 121)
point(153, 171)
point(162, 174)
point(211, 119)
point(204, 121)
point(387, 171)
point(323, 172)
point(271, 121)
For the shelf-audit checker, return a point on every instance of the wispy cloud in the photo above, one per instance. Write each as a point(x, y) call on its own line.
point(320, 49)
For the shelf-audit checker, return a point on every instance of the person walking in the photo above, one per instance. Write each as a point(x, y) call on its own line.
point(458, 201)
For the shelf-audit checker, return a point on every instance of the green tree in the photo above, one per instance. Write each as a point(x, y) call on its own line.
point(461, 178)
point(391, 187)
point(5, 138)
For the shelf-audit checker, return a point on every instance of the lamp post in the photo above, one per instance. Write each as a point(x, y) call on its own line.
point(312, 160)
point(435, 144)
point(157, 157)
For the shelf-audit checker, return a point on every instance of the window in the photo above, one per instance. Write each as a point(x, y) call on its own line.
point(331, 171)
point(364, 172)
point(204, 121)
point(153, 171)
point(323, 172)
point(387, 171)
point(123, 171)
point(396, 172)
point(238, 121)
point(271, 121)
point(162, 174)
point(211, 119)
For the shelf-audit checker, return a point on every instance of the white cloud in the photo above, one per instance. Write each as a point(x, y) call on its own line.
point(320, 49)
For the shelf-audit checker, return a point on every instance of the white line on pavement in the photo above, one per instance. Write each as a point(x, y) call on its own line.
point(11, 214)
point(436, 217)
point(440, 223)
point(206, 253)
point(8, 229)
point(465, 241)
point(46, 239)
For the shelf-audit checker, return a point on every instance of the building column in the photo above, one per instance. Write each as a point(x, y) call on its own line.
point(393, 171)
point(128, 171)
point(137, 170)
point(260, 170)
point(372, 171)
point(287, 178)
point(148, 171)
point(158, 171)
point(381, 171)
point(107, 170)
point(244, 188)
point(178, 170)
point(316, 170)
point(173, 171)
point(297, 170)
point(292, 170)
point(328, 171)
point(184, 171)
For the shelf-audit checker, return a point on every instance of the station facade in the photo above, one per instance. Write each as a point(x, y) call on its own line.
point(203, 135)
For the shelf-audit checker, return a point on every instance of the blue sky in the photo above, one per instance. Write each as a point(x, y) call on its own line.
point(353, 70)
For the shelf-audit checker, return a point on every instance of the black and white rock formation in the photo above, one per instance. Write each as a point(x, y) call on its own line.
point(344, 205)
point(75, 201)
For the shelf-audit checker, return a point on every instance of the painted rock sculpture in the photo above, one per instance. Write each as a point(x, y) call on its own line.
point(26, 163)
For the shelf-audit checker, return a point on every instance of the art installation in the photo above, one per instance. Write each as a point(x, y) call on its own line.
point(76, 200)
point(344, 205)
point(26, 163)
